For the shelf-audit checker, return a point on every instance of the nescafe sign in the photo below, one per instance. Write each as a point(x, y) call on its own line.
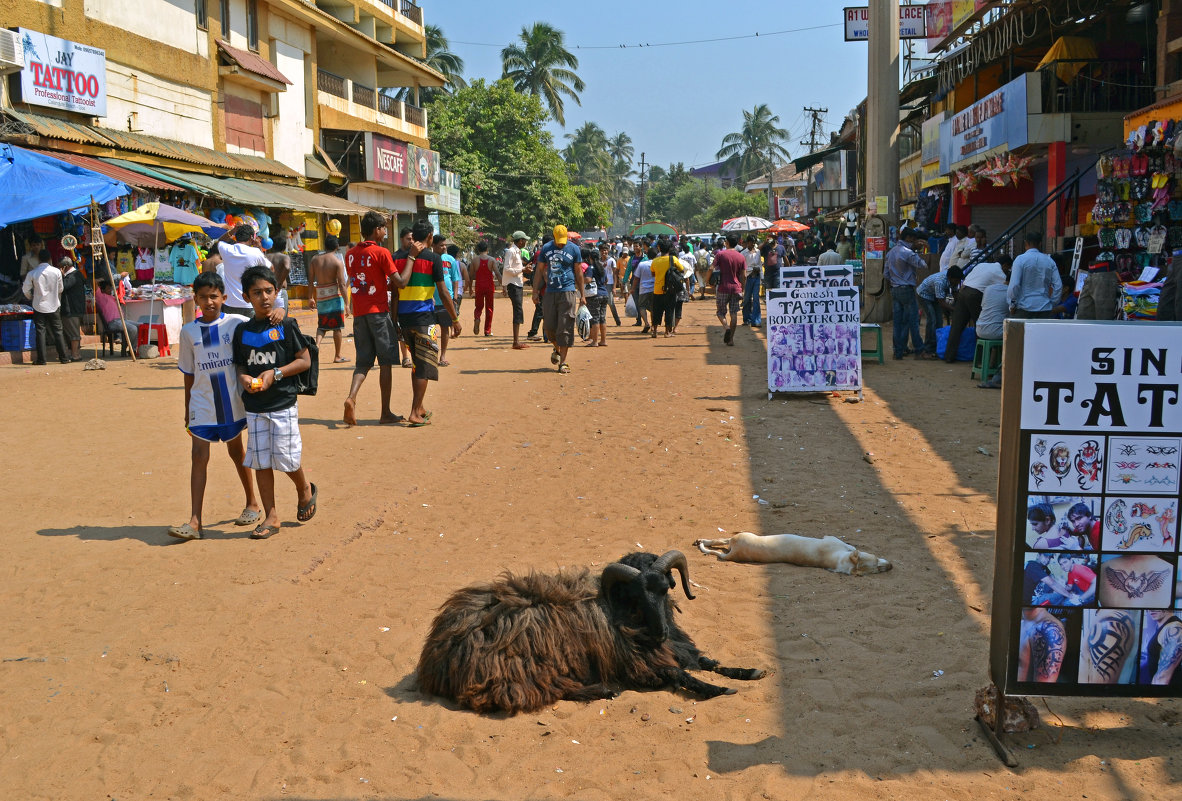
point(62, 74)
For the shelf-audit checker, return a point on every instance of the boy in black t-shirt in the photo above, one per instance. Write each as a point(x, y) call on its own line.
point(266, 356)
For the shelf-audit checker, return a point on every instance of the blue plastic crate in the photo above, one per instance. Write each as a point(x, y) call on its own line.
point(17, 335)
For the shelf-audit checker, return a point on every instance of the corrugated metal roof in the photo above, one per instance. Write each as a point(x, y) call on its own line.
point(267, 195)
point(195, 154)
point(57, 129)
point(252, 62)
point(143, 169)
point(129, 177)
point(54, 128)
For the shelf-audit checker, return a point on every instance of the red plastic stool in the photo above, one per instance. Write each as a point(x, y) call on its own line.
point(161, 337)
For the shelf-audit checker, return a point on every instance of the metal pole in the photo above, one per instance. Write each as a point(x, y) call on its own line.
point(882, 142)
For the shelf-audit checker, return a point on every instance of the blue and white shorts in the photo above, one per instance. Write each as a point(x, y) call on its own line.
point(225, 432)
point(273, 441)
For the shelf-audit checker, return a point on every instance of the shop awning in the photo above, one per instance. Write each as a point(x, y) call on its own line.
point(129, 177)
point(145, 170)
point(35, 185)
point(812, 159)
point(52, 127)
point(267, 195)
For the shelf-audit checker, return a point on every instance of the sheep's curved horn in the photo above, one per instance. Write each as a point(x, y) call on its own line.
point(616, 573)
point(671, 560)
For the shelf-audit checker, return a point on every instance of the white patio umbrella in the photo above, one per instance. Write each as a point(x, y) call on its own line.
point(745, 224)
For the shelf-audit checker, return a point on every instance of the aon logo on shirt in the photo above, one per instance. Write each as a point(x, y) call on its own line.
point(260, 358)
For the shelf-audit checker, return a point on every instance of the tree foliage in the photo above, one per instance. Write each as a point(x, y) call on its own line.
point(604, 165)
point(441, 59)
point(758, 147)
point(540, 65)
point(513, 177)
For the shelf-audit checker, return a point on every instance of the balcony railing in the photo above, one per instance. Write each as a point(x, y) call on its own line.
point(1095, 85)
point(415, 115)
point(411, 11)
point(389, 106)
point(364, 96)
point(332, 84)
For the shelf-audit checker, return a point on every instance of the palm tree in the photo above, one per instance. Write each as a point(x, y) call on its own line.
point(759, 146)
point(442, 60)
point(543, 67)
point(620, 148)
point(587, 154)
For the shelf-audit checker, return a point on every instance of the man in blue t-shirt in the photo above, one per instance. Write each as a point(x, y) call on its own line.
point(558, 271)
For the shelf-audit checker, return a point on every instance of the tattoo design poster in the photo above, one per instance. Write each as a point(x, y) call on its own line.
point(1095, 582)
point(814, 331)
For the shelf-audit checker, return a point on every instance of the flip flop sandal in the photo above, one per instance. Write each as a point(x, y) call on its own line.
point(554, 357)
point(249, 517)
point(306, 511)
point(185, 532)
point(407, 363)
point(419, 424)
point(564, 368)
point(263, 532)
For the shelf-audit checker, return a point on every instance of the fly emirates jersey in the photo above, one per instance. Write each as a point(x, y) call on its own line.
point(207, 354)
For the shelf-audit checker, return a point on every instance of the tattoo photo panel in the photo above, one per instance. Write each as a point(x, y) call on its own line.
point(1137, 523)
point(1136, 582)
point(1108, 642)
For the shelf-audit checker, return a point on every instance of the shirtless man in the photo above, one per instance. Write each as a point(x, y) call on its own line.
point(1165, 649)
point(329, 279)
point(1042, 647)
point(1109, 638)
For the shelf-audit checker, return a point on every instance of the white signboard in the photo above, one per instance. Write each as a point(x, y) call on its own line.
point(814, 331)
point(1087, 579)
point(62, 74)
point(448, 197)
point(912, 23)
point(999, 120)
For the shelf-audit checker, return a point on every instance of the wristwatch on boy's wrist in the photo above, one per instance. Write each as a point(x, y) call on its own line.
point(278, 375)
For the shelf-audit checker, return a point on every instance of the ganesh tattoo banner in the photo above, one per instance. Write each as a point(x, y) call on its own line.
point(1091, 595)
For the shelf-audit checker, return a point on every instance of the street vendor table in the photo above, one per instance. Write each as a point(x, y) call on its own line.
point(172, 312)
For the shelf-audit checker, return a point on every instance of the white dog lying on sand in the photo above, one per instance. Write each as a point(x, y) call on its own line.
point(828, 552)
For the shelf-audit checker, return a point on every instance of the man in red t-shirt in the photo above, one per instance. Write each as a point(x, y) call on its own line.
point(728, 295)
point(371, 270)
point(485, 287)
point(1081, 579)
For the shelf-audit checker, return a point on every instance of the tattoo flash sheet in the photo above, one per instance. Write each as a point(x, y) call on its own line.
point(1066, 463)
point(1143, 464)
point(1140, 524)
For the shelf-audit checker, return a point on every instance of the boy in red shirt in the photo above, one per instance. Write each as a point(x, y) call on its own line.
point(370, 267)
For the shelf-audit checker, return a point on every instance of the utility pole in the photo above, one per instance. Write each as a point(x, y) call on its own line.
point(882, 153)
point(811, 143)
point(642, 189)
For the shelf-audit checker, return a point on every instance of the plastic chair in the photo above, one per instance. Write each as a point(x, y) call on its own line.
point(161, 330)
point(983, 362)
point(877, 350)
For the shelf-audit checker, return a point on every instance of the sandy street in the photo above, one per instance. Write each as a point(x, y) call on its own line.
point(136, 666)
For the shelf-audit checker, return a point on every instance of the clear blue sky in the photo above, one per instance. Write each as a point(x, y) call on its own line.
point(677, 102)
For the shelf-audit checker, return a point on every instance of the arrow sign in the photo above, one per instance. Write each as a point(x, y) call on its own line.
point(776, 295)
point(847, 293)
point(841, 272)
point(790, 274)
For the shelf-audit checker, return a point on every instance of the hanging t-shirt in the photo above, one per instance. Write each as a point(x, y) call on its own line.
point(145, 264)
point(259, 347)
point(207, 354)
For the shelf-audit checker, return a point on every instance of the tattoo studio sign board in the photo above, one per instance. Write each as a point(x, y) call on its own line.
point(1087, 595)
point(814, 331)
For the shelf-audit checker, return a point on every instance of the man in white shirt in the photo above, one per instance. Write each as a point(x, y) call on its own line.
point(995, 307)
point(969, 246)
point(690, 260)
point(970, 297)
point(44, 285)
point(32, 257)
point(950, 249)
point(512, 268)
point(237, 255)
point(1035, 287)
point(609, 270)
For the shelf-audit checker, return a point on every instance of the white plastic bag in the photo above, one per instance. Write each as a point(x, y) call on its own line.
point(630, 306)
point(584, 323)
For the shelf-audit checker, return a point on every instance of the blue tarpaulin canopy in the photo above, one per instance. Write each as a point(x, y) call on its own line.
point(33, 185)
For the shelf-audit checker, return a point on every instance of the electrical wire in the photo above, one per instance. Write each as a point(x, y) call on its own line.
point(623, 46)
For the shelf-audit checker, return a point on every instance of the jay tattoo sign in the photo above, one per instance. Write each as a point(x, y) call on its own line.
point(1087, 596)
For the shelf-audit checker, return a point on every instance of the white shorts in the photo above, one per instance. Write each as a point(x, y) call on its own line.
point(273, 440)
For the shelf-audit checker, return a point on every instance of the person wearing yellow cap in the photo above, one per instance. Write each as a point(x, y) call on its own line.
point(558, 271)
